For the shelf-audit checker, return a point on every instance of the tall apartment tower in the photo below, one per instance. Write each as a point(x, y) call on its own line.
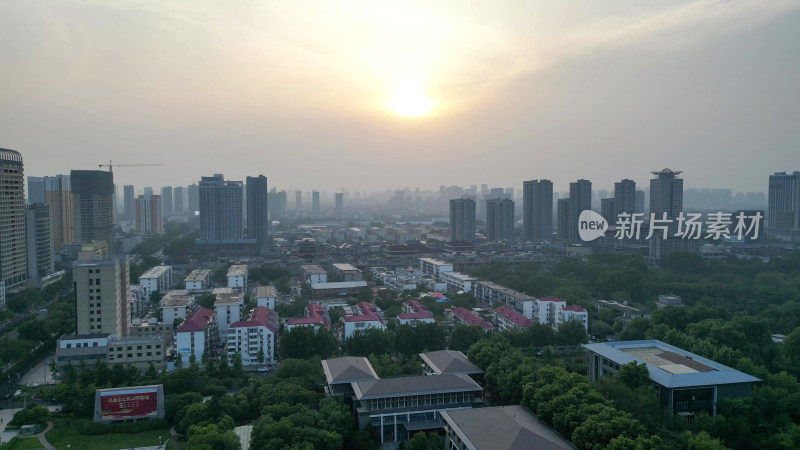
point(783, 216)
point(94, 207)
point(258, 211)
point(166, 201)
point(149, 221)
point(129, 202)
point(639, 205)
point(101, 297)
point(666, 194)
point(298, 200)
point(537, 210)
point(562, 219)
point(177, 202)
point(580, 199)
point(39, 241)
point(624, 198)
point(193, 192)
point(462, 220)
point(315, 202)
point(220, 210)
point(148, 190)
point(13, 258)
point(58, 196)
point(339, 202)
point(277, 204)
point(35, 190)
point(499, 219)
point(608, 209)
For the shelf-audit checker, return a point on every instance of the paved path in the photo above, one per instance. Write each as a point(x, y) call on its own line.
point(40, 374)
point(244, 435)
point(43, 440)
point(5, 416)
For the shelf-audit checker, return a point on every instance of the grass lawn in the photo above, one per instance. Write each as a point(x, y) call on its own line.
point(21, 444)
point(62, 435)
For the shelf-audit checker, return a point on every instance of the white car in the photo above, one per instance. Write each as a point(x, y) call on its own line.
point(263, 369)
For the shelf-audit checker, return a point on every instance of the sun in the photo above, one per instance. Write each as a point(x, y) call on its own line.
point(408, 99)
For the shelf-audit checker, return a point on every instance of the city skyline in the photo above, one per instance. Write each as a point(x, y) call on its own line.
point(619, 89)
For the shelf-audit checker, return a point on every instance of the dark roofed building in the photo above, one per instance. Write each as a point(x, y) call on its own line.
point(448, 361)
point(341, 372)
point(507, 427)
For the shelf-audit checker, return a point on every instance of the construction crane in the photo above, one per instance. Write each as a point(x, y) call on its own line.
point(111, 165)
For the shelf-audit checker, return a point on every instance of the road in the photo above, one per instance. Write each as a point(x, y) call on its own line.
point(40, 374)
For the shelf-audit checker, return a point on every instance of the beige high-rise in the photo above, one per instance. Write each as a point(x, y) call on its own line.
point(101, 293)
point(13, 250)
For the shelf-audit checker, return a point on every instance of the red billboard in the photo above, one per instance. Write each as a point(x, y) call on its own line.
point(129, 404)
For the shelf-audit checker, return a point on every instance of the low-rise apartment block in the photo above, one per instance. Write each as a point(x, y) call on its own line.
point(316, 316)
point(415, 313)
point(153, 327)
point(347, 272)
point(157, 279)
point(177, 304)
point(312, 273)
point(198, 280)
point(197, 334)
point(434, 267)
point(237, 277)
point(507, 319)
point(363, 316)
point(463, 316)
point(266, 296)
point(254, 339)
point(229, 308)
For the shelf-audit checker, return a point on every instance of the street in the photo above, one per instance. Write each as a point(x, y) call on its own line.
point(40, 373)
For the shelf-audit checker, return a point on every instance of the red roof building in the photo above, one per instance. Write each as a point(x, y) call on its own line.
point(508, 319)
point(466, 317)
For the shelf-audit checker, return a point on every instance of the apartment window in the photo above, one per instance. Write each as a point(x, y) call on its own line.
point(69, 345)
point(138, 355)
point(149, 354)
point(138, 347)
point(130, 355)
point(94, 344)
point(130, 348)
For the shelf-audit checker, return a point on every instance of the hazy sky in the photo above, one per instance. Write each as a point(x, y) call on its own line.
point(297, 90)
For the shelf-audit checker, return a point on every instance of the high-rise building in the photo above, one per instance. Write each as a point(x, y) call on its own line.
point(177, 202)
point(149, 219)
point(277, 204)
point(193, 192)
point(13, 257)
point(462, 220)
point(499, 219)
point(258, 211)
point(639, 205)
point(339, 202)
point(35, 190)
point(562, 219)
point(148, 190)
point(783, 215)
point(608, 208)
point(666, 194)
point(580, 199)
point(94, 202)
point(537, 210)
point(39, 241)
point(624, 199)
point(101, 294)
point(220, 210)
point(129, 201)
point(166, 201)
point(58, 196)
point(298, 200)
point(496, 193)
point(315, 202)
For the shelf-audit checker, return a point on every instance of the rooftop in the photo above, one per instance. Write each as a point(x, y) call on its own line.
point(229, 299)
point(671, 366)
point(312, 269)
point(344, 267)
point(514, 316)
point(177, 297)
point(155, 272)
point(574, 308)
point(266, 292)
point(339, 285)
point(506, 291)
point(222, 290)
point(449, 361)
point(509, 427)
point(260, 317)
point(237, 271)
point(551, 299)
point(347, 370)
point(198, 320)
point(470, 319)
point(198, 275)
point(459, 275)
point(417, 385)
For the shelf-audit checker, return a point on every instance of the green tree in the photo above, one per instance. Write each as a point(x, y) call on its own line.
point(463, 336)
point(572, 333)
point(634, 374)
point(212, 437)
point(422, 441)
point(601, 428)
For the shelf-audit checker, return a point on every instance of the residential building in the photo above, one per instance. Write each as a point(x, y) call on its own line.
point(276, 203)
point(178, 205)
point(365, 315)
point(58, 196)
point(463, 316)
point(573, 313)
point(93, 192)
point(686, 383)
point(36, 190)
point(495, 295)
point(458, 282)
point(608, 209)
point(152, 327)
point(221, 215)
point(258, 211)
point(237, 277)
point(266, 296)
point(507, 319)
point(783, 213)
point(13, 249)
point(101, 297)
point(562, 219)
point(197, 334)
point(149, 219)
point(640, 199)
point(666, 194)
point(316, 316)
point(546, 310)
point(580, 199)
point(167, 208)
point(198, 280)
point(2, 294)
point(347, 272)
point(39, 242)
point(511, 427)
point(624, 199)
point(156, 279)
point(312, 273)
point(339, 205)
point(255, 338)
point(128, 202)
point(315, 202)
point(414, 313)
point(298, 200)
point(537, 210)
point(229, 309)
point(193, 195)
point(138, 352)
point(462, 220)
point(499, 219)
point(434, 267)
point(177, 304)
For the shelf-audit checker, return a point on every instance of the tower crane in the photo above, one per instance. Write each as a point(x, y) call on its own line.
point(111, 165)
